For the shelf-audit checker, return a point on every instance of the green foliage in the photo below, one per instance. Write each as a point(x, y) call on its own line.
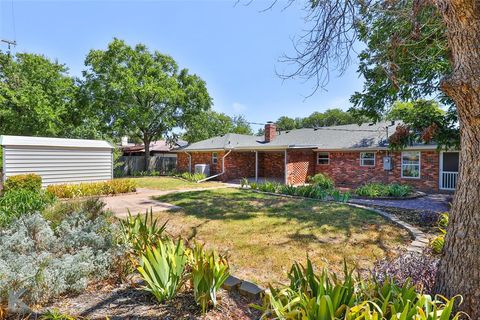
point(37, 96)
point(244, 182)
point(405, 57)
point(330, 117)
point(272, 187)
point(322, 180)
point(374, 190)
point(150, 95)
point(437, 243)
point(90, 207)
point(339, 196)
point(208, 271)
point(55, 314)
point(193, 177)
point(141, 233)
point(330, 297)
point(31, 182)
point(18, 202)
point(92, 189)
point(212, 124)
point(162, 267)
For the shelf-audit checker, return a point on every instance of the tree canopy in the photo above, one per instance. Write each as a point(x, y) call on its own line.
point(37, 96)
point(210, 124)
point(141, 93)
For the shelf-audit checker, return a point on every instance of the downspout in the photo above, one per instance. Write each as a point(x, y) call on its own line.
point(223, 168)
point(189, 161)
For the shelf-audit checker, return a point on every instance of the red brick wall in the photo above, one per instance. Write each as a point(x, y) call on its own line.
point(199, 158)
point(239, 165)
point(301, 164)
point(345, 169)
point(271, 164)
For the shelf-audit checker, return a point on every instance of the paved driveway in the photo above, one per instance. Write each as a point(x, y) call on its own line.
point(431, 202)
point(142, 201)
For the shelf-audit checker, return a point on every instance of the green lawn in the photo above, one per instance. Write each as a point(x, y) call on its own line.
point(264, 234)
point(171, 183)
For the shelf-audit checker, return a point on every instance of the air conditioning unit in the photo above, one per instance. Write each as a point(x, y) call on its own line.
point(203, 168)
point(387, 163)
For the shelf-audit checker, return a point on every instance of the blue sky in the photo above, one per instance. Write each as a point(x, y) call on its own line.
point(234, 48)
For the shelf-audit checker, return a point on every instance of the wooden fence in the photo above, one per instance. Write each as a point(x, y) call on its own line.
point(134, 164)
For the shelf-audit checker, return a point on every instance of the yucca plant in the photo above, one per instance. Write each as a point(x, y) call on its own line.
point(162, 267)
point(208, 272)
point(244, 183)
point(339, 196)
point(140, 233)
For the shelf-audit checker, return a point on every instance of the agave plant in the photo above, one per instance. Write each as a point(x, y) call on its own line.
point(162, 268)
point(208, 271)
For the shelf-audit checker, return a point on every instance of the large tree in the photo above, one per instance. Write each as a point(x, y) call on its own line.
point(210, 124)
point(335, 27)
point(141, 93)
point(37, 96)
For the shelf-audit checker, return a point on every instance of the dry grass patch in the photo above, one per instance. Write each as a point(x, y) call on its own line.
point(264, 234)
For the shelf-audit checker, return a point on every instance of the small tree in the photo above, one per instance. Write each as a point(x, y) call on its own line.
point(142, 93)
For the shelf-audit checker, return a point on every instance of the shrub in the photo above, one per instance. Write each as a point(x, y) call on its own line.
point(90, 207)
point(269, 187)
point(109, 187)
point(340, 197)
point(438, 242)
point(47, 263)
point(322, 180)
point(329, 296)
point(140, 233)
point(419, 268)
point(18, 202)
point(193, 177)
point(162, 268)
point(374, 190)
point(253, 185)
point(208, 271)
point(31, 182)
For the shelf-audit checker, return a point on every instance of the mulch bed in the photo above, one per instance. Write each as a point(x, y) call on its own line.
point(413, 217)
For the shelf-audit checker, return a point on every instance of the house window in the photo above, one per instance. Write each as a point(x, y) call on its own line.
point(411, 164)
point(214, 157)
point(323, 158)
point(367, 159)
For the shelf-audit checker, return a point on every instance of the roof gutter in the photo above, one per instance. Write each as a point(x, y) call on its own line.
point(223, 169)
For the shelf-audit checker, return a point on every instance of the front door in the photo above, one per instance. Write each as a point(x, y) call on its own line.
point(448, 170)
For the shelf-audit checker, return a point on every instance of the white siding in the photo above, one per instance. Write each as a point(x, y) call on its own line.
point(58, 164)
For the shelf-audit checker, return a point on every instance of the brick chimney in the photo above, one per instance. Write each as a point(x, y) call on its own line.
point(270, 131)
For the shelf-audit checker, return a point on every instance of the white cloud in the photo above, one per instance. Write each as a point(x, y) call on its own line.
point(238, 107)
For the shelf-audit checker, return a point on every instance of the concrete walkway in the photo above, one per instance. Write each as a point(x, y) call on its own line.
point(431, 202)
point(142, 201)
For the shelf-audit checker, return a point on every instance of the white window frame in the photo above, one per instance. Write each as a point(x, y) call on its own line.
point(362, 163)
point(419, 164)
point(328, 158)
point(214, 157)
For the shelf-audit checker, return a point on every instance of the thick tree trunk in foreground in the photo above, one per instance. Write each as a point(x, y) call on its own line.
point(459, 269)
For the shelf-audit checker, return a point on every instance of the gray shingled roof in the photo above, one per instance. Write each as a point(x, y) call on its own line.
point(352, 136)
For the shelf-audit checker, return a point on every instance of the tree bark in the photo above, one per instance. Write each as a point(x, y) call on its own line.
point(459, 269)
point(146, 143)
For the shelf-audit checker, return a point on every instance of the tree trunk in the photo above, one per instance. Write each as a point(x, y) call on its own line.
point(459, 269)
point(146, 143)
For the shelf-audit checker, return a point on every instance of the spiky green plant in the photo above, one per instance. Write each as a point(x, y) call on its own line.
point(208, 271)
point(162, 268)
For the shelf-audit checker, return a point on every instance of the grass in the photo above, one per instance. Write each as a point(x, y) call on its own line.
point(263, 235)
point(170, 183)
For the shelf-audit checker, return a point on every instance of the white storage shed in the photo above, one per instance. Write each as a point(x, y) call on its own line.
point(57, 160)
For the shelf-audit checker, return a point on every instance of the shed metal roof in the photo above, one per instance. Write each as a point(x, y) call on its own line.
point(53, 142)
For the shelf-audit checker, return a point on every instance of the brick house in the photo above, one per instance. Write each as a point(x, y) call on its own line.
point(350, 154)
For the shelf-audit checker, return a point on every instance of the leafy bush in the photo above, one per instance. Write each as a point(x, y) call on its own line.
point(328, 296)
point(47, 263)
point(322, 180)
point(340, 197)
point(438, 242)
point(253, 185)
point(90, 207)
point(17, 202)
point(269, 187)
point(162, 268)
point(140, 233)
point(208, 271)
point(193, 177)
point(31, 182)
point(92, 189)
point(374, 190)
